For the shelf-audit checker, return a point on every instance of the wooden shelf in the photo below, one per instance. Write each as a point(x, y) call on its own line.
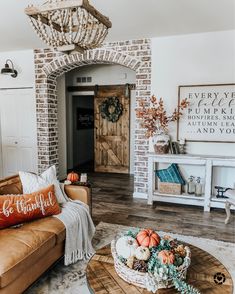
point(183, 195)
point(222, 200)
point(179, 199)
point(195, 156)
point(207, 162)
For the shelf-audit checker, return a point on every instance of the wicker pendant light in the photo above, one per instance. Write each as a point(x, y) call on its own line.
point(69, 25)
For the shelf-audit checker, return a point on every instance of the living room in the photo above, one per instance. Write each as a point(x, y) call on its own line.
point(117, 130)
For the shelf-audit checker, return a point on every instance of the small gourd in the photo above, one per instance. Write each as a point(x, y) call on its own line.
point(66, 182)
point(126, 246)
point(148, 238)
point(142, 253)
point(73, 177)
point(166, 257)
point(130, 262)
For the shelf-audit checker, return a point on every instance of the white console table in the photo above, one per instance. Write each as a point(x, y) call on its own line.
point(207, 200)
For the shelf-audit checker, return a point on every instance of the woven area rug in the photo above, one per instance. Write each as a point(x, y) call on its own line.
point(71, 279)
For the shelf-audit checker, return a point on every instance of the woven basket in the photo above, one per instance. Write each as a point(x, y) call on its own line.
point(140, 279)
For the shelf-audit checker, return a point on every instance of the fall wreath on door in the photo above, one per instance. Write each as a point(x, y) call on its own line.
point(111, 109)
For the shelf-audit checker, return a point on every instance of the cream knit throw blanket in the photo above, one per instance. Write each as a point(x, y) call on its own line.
point(79, 230)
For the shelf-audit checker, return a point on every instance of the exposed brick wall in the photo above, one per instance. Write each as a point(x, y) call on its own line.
point(50, 64)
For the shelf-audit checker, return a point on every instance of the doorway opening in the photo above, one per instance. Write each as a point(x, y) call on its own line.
point(100, 119)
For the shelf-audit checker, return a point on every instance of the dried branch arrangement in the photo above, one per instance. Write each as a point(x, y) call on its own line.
point(154, 118)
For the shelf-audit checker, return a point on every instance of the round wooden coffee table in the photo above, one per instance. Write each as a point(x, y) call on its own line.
point(206, 273)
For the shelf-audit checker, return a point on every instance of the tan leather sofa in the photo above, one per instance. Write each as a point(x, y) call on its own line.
point(28, 251)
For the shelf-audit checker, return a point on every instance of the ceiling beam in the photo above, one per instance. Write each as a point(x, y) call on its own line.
point(89, 88)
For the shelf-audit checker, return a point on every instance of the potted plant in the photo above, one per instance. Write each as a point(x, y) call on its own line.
point(155, 121)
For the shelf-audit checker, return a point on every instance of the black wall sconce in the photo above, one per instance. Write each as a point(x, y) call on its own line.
point(9, 69)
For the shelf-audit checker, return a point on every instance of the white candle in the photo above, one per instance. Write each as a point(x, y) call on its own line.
point(83, 178)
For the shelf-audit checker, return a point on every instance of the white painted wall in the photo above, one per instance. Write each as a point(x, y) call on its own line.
point(206, 58)
point(24, 63)
point(103, 74)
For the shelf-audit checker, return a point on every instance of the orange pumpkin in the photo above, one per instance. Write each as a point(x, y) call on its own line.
point(166, 257)
point(148, 238)
point(73, 177)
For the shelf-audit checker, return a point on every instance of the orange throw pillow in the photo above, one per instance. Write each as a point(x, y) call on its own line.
point(16, 209)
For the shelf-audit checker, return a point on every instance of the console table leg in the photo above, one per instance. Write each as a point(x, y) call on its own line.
point(228, 213)
point(207, 208)
point(208, 176)
point(151, 182)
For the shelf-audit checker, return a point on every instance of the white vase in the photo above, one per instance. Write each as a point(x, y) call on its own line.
point(161, 143)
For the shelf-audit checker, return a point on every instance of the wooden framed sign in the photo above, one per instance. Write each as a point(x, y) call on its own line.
point(210, 116)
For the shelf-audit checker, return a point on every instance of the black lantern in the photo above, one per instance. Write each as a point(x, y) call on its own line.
point(9, 69)
point(127, 91)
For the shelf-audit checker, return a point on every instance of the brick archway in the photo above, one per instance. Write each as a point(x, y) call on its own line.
point(66, 63)
point(49, 65)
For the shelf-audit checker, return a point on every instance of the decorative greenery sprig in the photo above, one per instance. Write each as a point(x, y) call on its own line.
point(183, 287)
point(164, 245)
point(122, 259)
point(179, 284)
point(170, 272)
point(132, 233)
point(152, 263)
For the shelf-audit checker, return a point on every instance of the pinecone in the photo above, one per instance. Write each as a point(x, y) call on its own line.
point(180, 250)
point(140, 266)
point(174, 243)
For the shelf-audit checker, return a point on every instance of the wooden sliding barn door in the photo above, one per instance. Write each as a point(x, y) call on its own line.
point(112, 139)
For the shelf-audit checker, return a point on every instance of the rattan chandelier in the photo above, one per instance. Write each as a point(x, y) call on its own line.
point(69, 25)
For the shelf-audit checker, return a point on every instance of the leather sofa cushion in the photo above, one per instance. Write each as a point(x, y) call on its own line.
point(49, 224)
point(81, 193)
point(11, 185)
point(19, 248)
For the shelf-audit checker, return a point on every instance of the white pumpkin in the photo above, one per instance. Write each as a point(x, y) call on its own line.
point(142, 253)
point(67, 182)
point(126, 246)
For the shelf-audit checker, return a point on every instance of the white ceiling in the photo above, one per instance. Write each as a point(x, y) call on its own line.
point(131, 19)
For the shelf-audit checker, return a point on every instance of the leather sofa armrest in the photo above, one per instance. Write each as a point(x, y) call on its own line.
point(81, 193)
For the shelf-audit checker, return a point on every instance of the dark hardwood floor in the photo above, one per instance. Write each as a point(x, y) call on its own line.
point(113, 203)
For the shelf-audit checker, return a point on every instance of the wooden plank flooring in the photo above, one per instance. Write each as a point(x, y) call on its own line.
point(113, 203)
